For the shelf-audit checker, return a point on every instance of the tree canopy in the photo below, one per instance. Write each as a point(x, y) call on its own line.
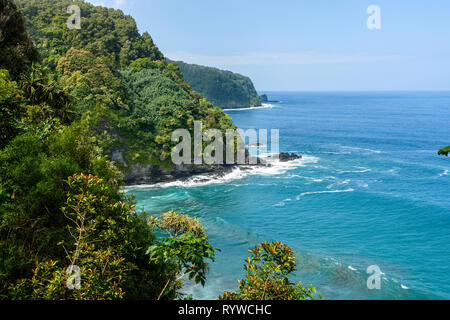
point(16, 47)
point(119, 80)
point(109, 34)
point(224, 89)
point(99, 89)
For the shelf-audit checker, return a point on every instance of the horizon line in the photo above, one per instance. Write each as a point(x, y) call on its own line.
point(390, 90)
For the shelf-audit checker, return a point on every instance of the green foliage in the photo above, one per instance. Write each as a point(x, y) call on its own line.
point(176, 224)
point(64, 119)
point(109, 34)
point(39, 97)
point(48, 223)
point(133, 111)
point(160, 106)
point(93, 82)
point(185, 250)
point(104, 242)
point(12, 108)
point(42, 88)
point(33, 168)
point(17, 51)
point(266, 276)
point(444, 151)
point(146, 63)
point(222, 88)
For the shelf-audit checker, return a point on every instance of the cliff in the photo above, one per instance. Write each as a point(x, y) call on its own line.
point(120, 83)
point(224, 89)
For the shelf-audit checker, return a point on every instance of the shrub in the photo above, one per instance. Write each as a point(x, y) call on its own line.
point(185, 250)
point(266, 276)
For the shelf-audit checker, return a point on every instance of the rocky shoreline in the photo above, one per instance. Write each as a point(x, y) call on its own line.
point(152, 174)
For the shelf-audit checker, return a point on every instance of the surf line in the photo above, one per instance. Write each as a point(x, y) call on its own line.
point(320, 192)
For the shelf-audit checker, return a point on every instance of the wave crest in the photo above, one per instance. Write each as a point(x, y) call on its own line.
point(276, 168)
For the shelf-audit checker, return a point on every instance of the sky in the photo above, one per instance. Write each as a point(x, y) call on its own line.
point(305, 45)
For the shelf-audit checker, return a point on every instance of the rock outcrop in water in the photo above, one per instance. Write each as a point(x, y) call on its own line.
point(285, 157)
point(151, 174)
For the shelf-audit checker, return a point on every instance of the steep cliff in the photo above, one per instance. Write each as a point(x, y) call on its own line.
point(224, 89)
point(121, 84)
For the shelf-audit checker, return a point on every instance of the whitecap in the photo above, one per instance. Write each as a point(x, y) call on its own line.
point(262, 106)
point(279, 204)
point(351, 268)
point(361, 149)
point(338, 183)
point(445, 173)
point(276, 167)
point(320, 192)
point(360, 170)
point(404, 287)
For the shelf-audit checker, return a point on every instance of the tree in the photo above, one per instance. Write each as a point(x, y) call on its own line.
point(222, 88)
point(42, 88)
point(444, 151)
point(12, 108)
point(185, 249)
point(266, 276)
point(107, 243)
point(109, 34)
point(92, 81)
point(33, 170)
point(17, 50)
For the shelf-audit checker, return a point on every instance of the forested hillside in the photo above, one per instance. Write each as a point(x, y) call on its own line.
point(67, 229)
point(104, 63)
point(62, 212)
point(224, 89)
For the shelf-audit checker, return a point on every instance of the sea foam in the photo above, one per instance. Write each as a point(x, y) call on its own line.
point(325, 191)
point(276, 168)
point(262, 106)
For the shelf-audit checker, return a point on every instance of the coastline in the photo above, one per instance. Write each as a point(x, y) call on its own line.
point(262, 106)
point(152, 174)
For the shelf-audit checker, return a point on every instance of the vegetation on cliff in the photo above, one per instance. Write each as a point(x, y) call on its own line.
point(109, 34)
point(67, 231)
point(61, 203)
point(120, 81)
point(16, 47)
point(224, 89)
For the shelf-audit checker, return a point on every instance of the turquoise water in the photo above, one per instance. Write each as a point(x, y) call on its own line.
point(371, 190)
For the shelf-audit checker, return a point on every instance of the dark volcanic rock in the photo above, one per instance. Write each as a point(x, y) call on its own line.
point(285, 157)
point(151, 174)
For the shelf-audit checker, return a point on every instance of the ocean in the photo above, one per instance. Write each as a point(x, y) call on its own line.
point(370, 190)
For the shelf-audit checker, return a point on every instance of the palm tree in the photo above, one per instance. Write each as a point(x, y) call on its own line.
point(41, 87)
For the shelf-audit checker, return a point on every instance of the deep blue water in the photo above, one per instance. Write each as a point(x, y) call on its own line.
point(371, 190)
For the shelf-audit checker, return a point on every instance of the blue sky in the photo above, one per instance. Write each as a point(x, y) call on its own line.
point(305, 45)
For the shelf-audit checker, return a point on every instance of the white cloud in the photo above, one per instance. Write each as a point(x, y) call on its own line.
point(265, 58)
